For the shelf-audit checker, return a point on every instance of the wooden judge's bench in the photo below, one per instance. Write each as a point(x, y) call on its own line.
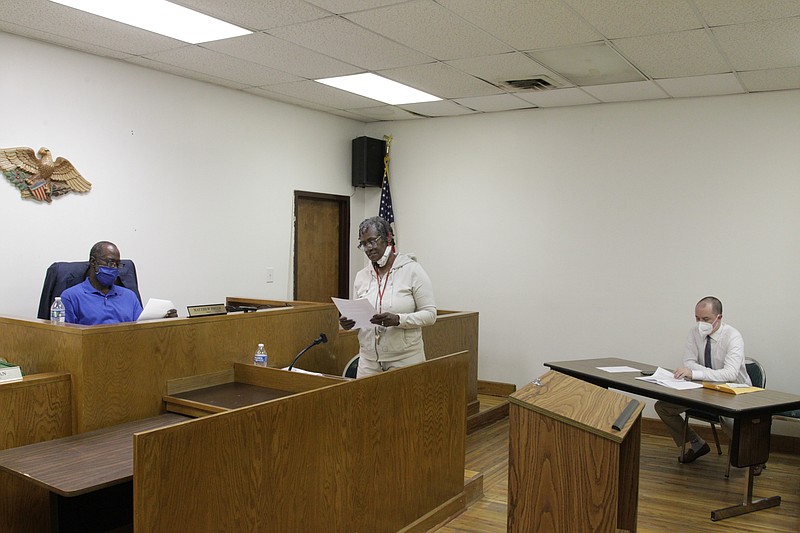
point(313, 452)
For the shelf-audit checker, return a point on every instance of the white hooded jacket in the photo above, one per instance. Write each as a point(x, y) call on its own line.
point(407, 292)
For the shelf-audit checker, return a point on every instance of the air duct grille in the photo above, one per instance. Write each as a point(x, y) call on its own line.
point(539, 83)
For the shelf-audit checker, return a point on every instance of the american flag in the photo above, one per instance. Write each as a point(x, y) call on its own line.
point(386, 211)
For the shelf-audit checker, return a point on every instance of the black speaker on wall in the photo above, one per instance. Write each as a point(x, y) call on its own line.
point(368, 161)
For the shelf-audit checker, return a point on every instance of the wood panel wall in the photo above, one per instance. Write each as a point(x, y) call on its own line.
point(373, 454)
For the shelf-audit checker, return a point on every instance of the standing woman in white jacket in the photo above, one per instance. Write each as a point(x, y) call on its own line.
point(402, 294)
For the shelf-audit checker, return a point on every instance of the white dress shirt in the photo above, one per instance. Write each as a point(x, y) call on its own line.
point(727, 356)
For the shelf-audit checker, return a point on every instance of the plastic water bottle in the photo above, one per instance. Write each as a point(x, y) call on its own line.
point(260, 358)
point(57, 312)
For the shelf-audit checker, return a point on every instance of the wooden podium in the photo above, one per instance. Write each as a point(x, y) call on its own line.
point(568, 468)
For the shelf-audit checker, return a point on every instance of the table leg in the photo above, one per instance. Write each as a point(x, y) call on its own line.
point(748, 505)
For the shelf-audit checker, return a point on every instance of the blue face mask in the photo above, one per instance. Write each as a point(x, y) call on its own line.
point(106, 276)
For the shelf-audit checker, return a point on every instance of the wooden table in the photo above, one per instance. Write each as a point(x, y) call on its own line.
point(751, 413)
point(98, 463)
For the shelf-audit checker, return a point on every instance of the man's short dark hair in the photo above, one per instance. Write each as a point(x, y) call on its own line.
point(97, 249)
point(716, 305)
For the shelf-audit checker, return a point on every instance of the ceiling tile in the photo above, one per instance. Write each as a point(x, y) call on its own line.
point(627, 92)
point(288, 99)
point(257, 15)
point(348, 6)
point(282, 55)
point(702, 85)
point(442, 108)
point(625, 18)
point(671, 55)
point(771, 80)
point(441, 80)
point(761, 45)
point(525, 25)
point(558, 97)
point(344, 40)
point(426, 26)
point(588, 64)
point(313, 91)
point(66, 42)
point(500, 68)
point(78, 26)
point(497, 102)
point(183, 72)
point(723, 12)
point(387, 112)
point(199, 59)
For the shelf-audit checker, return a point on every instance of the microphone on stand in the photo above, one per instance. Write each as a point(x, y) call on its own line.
point(319, 340)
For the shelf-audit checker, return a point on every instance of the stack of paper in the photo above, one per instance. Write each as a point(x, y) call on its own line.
point(668, 379)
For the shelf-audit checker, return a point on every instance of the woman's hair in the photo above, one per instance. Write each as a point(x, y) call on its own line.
point(383, 229)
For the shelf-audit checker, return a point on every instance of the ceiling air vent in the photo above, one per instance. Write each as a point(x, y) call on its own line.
point(539, 83)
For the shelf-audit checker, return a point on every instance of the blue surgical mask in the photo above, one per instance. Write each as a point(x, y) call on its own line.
point(106, 276)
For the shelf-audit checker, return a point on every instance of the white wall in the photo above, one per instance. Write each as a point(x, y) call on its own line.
point(193, 181)
point(592, 231)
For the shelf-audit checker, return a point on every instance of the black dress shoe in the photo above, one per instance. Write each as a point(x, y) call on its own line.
point(690, 456)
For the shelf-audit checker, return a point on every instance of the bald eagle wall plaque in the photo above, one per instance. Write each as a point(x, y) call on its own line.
point(40, 179)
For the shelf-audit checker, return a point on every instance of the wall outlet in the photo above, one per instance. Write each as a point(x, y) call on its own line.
point(270, 275)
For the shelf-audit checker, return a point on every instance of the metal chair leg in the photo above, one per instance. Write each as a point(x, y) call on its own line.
point(716, 438)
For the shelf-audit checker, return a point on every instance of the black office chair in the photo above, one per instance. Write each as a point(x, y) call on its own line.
point(758, 377)
point(351, 369)
point(62, 275)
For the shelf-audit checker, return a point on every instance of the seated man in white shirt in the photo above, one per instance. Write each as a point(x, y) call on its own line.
point(714, 352)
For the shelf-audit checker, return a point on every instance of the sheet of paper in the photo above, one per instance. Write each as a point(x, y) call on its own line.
point(617, 369)
point(301, 371)
point(359, 310)
point(155, 308)
point(667, 379)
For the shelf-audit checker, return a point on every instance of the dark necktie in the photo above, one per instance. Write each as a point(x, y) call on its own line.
point(708, 351)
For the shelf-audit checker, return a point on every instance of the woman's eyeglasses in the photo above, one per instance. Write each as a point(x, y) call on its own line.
point(369, 243)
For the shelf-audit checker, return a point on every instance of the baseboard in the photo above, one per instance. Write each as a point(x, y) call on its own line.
point(495, 388)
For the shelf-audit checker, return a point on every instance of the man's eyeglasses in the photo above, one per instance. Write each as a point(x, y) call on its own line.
point(107, 262)
point(369, 243)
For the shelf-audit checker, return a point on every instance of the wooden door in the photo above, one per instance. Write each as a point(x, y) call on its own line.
point(322, 241)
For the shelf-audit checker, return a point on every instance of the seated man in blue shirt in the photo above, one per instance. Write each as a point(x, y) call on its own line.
point(98, 300)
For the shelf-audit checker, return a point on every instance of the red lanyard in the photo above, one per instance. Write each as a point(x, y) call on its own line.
point(382, 291)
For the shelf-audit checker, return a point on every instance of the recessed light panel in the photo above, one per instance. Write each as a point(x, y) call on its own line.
point(162, 17)
point(379, 88)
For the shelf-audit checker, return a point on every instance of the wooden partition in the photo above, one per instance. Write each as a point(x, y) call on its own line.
point(452, 332)
point(119, 371)
point(378, 454)
point(36, 409)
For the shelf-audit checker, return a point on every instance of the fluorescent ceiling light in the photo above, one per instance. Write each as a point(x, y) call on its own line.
point(162, 17)
point(379, 88)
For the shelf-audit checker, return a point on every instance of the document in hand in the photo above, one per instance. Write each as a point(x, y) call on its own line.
point(731, 388)
point(155, 308)
point(359, 310)
point(668, 379)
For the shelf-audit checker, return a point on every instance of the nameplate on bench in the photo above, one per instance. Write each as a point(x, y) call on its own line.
point(206, 310)
point(10, 373)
